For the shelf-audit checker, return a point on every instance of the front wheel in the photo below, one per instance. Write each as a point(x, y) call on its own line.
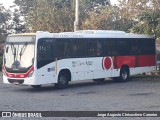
point(124, 75)
point(62, 81)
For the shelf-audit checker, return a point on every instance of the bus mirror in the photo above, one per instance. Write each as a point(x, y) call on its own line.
point(7, 49)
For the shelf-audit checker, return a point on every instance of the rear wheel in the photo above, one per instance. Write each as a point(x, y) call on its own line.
point(63, 80)
point(124, 75)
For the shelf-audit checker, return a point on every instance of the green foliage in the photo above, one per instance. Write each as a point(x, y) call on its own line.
point(158, 31)
point(25, 6)
point(149, 23)
point(55, 15)
point(4, 19)
point(137, 16)
point(17, 24)
point(46, 17)
point(102, 19)
point(141, 28)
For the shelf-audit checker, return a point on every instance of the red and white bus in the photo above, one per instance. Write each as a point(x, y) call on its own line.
point(45, 58)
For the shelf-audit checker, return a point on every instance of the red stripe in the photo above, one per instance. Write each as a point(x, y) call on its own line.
point(125, 60)
point(18, 75)
point(135, 61)
point(146, 60)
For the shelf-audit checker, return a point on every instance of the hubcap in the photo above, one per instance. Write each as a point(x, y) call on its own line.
point(62, 80)
point(124, 75)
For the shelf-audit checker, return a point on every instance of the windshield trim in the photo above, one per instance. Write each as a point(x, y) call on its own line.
point(17, 58)
point(17, 39)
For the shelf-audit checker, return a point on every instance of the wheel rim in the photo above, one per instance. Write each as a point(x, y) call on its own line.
point(124, 75)
point(62, 80)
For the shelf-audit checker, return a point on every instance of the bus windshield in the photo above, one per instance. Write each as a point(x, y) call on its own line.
point(19, 53)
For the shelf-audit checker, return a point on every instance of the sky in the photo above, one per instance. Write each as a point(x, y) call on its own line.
point(7, 3)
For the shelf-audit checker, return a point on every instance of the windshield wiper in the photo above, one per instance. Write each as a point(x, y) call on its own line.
point(22, 50)
point(13, 50)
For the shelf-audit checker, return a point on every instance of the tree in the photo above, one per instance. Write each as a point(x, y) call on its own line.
point(128, 12)
point(152, 19)
point(55, 15)
point(4, 21)
point(47, 17)
point(25, 6)
point(58, 15)
point(90, 7)
point(17, 23)
point(103, 19)
point(149, 20)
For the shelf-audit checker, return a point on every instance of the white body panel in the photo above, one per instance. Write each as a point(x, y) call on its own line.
point(80, 68)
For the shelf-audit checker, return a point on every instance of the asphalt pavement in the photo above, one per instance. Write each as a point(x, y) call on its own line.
point(139, 94)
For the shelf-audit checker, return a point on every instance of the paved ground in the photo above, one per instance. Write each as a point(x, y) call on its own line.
point(139, 94)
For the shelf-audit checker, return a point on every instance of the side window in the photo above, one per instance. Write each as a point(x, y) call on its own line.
point(142, 46)
point(78, 47)
point(148, 46)
point(106, 47)
point(95, 47)
point(123, 47)
point(63, 48)
point(92, 47)
point(113, 45)
point(153, 46)
point(74, 48)
point(99, 48)
point(71, 48)
point(135, 47)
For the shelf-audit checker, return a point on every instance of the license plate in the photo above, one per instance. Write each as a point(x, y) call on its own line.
point(16, 83)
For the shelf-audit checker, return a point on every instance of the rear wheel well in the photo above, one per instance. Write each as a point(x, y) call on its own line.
point(66, 72)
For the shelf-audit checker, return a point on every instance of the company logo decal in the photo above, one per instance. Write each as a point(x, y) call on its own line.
point(81, 63)
point(107, 63)
point(51, 69)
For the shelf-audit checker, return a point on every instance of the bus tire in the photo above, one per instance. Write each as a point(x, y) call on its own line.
point(98, 80)
point(124, 75)
point(62, 81)
point(36, 86)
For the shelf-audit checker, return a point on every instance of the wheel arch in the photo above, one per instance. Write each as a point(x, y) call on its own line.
point(67, 72)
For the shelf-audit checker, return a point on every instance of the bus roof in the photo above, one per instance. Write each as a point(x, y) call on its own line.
point(85, 34)
point(100, 32)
